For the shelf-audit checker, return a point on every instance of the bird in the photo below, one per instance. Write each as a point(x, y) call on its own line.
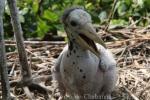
point(85, 69)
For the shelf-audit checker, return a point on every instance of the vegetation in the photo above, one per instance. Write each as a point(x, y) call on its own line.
point(42, 16)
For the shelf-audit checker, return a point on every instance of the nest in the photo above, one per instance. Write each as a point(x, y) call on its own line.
point(131, 48)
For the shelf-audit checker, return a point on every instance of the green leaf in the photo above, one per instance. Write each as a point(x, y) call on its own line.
point(103, 16)
point(42, 28)
point(29, 1)
point(147, 4)
point(7, 11)
point(59, 26)
point(24, 11)
point(118, 22)
point(107, 1)
point(54, 6)
point(140, 3)
point(128, 2)
point(122, 9)
point(89, 5)
point(35, 6)
point(21, 18)
point(49, 15)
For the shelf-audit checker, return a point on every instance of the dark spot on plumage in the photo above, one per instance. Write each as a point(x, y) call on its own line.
point(71, 35)
point(76, 47)
point(96, 29)
point(78, 56)
point(77, 67)
point(84, 77)
point(73, 39)
point(74, 51)
point(70, 46)
point(73, 62)
point(70, 53)
point(73, 23)
point(67, 55)
point(100, 60)
point(64, 70)
point(81, 70)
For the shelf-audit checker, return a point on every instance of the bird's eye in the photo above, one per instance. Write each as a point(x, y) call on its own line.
point(73, 23)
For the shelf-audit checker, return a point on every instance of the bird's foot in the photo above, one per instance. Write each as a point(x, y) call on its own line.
point(58, 94)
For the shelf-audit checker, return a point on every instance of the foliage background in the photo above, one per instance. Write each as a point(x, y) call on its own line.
point(39, 17)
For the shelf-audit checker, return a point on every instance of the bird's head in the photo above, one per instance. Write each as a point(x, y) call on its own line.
point(78, 25)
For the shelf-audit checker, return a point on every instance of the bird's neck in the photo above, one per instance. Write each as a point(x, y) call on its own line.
point(73, 46)
point(75, 49)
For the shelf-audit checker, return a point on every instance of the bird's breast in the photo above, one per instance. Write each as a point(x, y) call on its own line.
point(79, 69)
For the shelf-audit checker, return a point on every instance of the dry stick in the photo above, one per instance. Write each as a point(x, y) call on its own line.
point(13, 68)
point(26, 70)
point(3, 67)
point(28, 93)
point(38, 42)
point(146, 88)
point(123, 51)
point(111, 14)
point(131, 94)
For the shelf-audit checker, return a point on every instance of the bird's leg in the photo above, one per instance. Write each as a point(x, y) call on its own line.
point(82, 98)
point(106, 97)
point(110, 79)
point(105, 93)
point(59, 89)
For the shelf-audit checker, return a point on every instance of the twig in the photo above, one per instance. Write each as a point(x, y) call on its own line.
point(111, 14)
point(133, 23)
point(32, 54)
point(13, 67)
point(131, 94)
point(38, 42)
point(122, 53)
point(28, 93)
point(146, 88)
point(39, 88)
point(43, 78)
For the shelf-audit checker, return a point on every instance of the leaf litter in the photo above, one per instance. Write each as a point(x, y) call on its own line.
point(131, 47)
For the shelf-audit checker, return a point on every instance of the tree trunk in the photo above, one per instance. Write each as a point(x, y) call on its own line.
point(3, 67)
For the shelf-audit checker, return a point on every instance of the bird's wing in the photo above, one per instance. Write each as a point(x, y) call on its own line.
point(56, 68)
point(107, 60)
point(56, 75)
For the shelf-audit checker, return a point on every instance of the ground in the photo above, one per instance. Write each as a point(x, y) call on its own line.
point(131, 47)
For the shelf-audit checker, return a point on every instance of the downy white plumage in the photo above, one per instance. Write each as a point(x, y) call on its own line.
point(85, 68)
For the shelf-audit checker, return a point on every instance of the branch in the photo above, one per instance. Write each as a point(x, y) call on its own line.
point(27, 80)
point(111, 14)
point(3, 67)
point(26, 70)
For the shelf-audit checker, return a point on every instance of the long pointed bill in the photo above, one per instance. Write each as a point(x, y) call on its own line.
point(86, 45)
point(87, 37)
point(91, 33)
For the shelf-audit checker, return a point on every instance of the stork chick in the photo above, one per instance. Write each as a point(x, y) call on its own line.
point(85, 69)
